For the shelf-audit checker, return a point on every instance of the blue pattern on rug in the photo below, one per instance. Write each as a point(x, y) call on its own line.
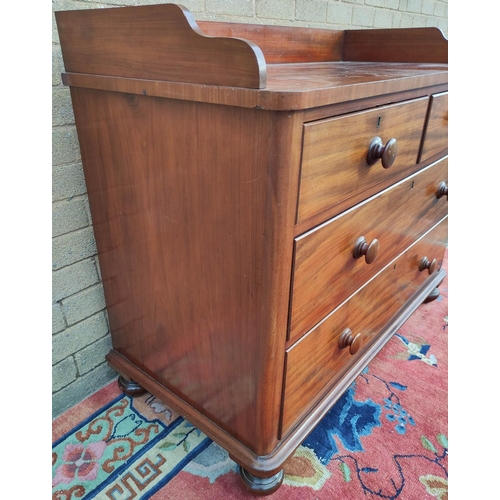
point(348, 420)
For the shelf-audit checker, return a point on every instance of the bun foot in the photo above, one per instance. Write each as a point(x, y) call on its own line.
point(432, 296)
point(129, 387)
point(261, 485)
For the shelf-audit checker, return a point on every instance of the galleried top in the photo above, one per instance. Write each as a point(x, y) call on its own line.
point(161, 50)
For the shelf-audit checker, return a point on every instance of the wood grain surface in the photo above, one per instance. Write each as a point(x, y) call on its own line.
point(283, 44)
point(396, 45)
point(323, 257)
point(334, 162)
point(155, 42)
point(289, 86)
point(193, 209)
point(435, 139)
point(191, 138)
point(315, 363)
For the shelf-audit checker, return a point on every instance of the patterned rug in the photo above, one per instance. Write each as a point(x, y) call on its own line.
point(385, 438)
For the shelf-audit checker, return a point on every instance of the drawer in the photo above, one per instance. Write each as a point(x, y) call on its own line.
point(325, 271)
point(334, 157)
point(435, 138)
point(316, 362)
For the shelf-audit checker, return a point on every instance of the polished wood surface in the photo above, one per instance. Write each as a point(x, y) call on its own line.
point(348, 339)
point(130, 387)
point(270, 464)
point(396, 45)
point(442, 190)
point(429, 265)
point(283, 44)
point(289, 86)
point(194, 235)
point(396, 217)
point(378, 151)
point(261, 485)
point(334, 163)
point(317, 361)
point(261, 465)
point(198, 141)
point(166, 45)
point(435, 139)
point(369, 251)
point(432, 296)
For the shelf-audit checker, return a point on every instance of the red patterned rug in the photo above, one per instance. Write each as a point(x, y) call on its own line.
point(385, 438)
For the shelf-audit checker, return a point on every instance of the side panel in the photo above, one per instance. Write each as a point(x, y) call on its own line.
point(155, 42)
point(193, 223)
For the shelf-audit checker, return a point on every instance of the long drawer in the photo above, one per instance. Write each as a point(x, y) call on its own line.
point(335, 153)
point(317, 361)
point(325, 270)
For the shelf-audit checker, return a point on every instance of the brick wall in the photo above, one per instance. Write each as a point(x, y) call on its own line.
point(79, 323)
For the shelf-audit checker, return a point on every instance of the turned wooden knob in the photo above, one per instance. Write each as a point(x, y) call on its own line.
point(347, 339)
point(425, 263)
point(370, 251)
point(377, 151)
point(442, 190)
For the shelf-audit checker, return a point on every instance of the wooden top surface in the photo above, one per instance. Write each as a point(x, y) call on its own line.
point(160, 50)
point(289, 86)
point(308, 77)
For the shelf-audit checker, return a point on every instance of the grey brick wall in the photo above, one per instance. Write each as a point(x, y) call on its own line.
point(80, 329)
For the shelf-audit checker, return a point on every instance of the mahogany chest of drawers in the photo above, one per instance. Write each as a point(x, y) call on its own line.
point(269, 206)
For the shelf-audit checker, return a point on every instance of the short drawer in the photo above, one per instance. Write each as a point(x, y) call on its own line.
point(325, 271)
point(435, 138)
point(335, 153)
point(316, 362)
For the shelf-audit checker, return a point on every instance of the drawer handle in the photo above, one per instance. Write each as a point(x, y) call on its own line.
point(370, 251)
point(347, 339)
point(425, 263)
point(442, 190)
point(377, 151)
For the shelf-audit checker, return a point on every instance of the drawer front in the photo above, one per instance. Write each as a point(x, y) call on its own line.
point(316, 362)
point(435, 139)
point(334, 158)
point(325, 271)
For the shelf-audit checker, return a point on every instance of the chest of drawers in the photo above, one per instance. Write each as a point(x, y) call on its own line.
point(269, 206)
